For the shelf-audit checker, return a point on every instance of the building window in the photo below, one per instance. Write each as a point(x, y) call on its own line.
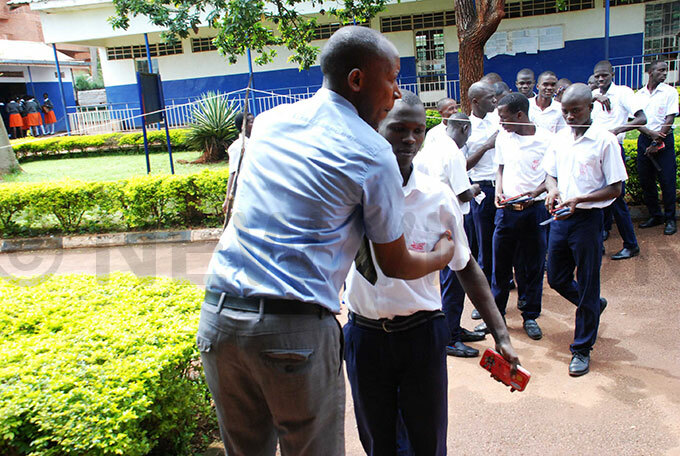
point(539, 7)
point(142, 66)
point(139, 51)
point(324, 31)
point(417, 21)
point(662, 26)
point(12, 74)
point(202, 45)
point(626, 2)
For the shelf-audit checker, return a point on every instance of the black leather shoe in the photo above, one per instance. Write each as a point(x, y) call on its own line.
point(461, 350)
point(670, 228)
point(579, 365)
point(603, 305)
point(605, 235)
point(475, 315)
point(471, 336)
point(625, 253)
point(532, 329)
point(651, 221)
point(521, 304)
point(482, 328)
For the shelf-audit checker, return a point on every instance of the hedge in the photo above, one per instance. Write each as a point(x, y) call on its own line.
point(69, 206)
point(85, 145)
point(100, 366)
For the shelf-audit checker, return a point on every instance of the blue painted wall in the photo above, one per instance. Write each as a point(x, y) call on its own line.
point(575, 61)
point(52, 90)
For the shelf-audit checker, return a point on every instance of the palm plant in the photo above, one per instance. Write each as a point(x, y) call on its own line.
point(212, 128)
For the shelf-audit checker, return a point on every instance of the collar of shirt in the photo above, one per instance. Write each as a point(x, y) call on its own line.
point(553, 106)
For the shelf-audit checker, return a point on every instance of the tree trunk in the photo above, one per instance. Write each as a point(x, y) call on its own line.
point(476, 21)
point(8, 161)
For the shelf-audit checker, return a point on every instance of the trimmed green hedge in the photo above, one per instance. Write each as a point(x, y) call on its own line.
point(29, 209)
point(85, 145)
point(100, 366)
point(433, 118)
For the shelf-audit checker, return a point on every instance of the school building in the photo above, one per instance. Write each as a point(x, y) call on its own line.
point(534, 34)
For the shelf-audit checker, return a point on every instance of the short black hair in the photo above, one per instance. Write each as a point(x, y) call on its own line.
point(501, 87)
point(653, 64)
point(604, 63)
point(528, 71)
point(441, 102)
point(348, 48)
point(547, 73)
point(410, 98)
point(516, 102)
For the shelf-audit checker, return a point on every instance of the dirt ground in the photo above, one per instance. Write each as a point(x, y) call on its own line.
point(629, 404)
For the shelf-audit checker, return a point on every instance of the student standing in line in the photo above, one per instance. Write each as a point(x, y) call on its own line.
point(520, 148)
point(656, 142)
point(396, 335)
point(613, 106)
point(15, 120)
point(446, 108)
point(544, 110)
point(33, 116)
point(585, 173)
point(50, 118)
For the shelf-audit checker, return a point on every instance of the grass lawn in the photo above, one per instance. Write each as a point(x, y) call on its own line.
point(106, 168)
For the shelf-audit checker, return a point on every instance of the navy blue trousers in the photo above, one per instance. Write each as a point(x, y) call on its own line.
point(399, 372)
point(518, 238)
point(648, 176)
point(621, 215)
point(576, 243)
point(484, 215)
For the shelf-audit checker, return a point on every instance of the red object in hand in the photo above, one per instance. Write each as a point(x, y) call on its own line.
point(500, 370)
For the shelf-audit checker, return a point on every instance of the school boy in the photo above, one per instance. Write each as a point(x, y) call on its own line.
point(525, 81)
point(613, 106)
point(656, 142)
point(544, 110)
point(446, 108)
point(520, 148)
point(444, 160)
point(584, 173)
point(396, 335)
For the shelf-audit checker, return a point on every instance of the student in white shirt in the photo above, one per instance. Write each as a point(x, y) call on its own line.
point(482, 169)
point(234, 150)
point(584, 173)
point(520, 148)
point(525, 81)
point(656, 142)
point(443, 159)
point(544, 110)
point(446, 108)
point(613, 106)
point(396, 336)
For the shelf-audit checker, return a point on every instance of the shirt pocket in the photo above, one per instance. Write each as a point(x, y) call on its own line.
point(419, 240)
point(588, 164)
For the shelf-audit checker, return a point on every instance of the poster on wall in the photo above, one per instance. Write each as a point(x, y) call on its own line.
point(529, 41)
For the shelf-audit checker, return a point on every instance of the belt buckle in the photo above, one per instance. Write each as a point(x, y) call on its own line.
point(518, 207)
point(385, 327)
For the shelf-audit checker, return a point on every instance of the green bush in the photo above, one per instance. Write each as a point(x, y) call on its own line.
point(86, 145)
point(212, 128)
point(142, 202)
point(100, 366)
point(433, 118)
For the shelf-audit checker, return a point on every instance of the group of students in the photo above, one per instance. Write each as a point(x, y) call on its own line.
point(346, 187)
point(25, 114)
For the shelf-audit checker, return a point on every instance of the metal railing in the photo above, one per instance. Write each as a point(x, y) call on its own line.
point(633, 74)
point(122, 117)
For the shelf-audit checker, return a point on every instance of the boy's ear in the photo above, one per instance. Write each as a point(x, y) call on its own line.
point(355, 79)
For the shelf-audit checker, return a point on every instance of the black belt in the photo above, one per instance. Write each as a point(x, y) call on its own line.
point(269, 305)
point(487, 183)
point(398, 323)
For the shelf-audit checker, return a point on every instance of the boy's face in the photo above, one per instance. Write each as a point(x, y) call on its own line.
point(404, 128)
point(449, 109)
point(524, 84)
point(658, 73)
point(603, 77)
point(576, 111)
point(509, 119)
point(546, 86)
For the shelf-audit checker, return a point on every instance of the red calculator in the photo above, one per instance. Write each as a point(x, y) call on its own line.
point(500, 370)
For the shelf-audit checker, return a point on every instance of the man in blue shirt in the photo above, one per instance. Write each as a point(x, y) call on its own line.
point(316, 179)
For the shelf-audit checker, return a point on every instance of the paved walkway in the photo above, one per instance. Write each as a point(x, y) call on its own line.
point(628, 405)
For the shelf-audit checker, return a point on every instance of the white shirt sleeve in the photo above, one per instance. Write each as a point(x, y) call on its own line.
point(630, 102)
point(672, 102)
point(460, 182)
point(452, 219)
point(550, 162)
point(613, 167)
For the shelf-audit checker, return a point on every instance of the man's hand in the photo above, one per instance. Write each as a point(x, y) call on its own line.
point(499, 198)
point(653, 148)
point(552, 199)
point(604, 101)
point(656, 136)
point(224, 206)
point(571, 204)
point(475, 189)
point(446, 248)
point(491, 142)
point(506, 350)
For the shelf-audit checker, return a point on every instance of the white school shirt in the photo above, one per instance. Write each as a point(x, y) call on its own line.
point(584, 165)
point(234, 153)
point(522, 160)
point(443, 160)
point(662, 101)
point(482, 129)
point(435, 132)
point(430, 208)
point(550, 118)
point(624, 104)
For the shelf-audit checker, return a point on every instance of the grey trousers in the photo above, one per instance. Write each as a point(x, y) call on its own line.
point(275, 377)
